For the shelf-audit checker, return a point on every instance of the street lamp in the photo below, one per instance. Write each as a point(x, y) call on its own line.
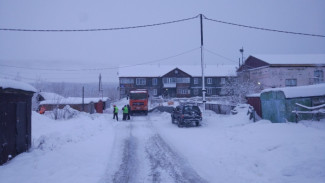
point(242, 54)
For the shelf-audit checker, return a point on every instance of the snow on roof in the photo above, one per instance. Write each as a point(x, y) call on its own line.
point(300, 91)
point(193, 70)
point(7, 83)
point(253, 95)
point(138, 91)
point(50, 96)
point(74, 100)
point(293, 59)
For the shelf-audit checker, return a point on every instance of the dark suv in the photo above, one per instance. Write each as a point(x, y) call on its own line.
point(186, 115)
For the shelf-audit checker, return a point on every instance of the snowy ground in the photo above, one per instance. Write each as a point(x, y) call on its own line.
point(96, 148)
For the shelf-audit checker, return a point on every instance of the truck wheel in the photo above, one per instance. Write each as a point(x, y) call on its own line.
point(197, 123)
point(180, 123)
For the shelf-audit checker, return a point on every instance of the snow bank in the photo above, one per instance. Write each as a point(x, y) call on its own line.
point(73, 150)
point(234, 149)
point(226, 148)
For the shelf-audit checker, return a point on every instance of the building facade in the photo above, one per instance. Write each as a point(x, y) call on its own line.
point(273, 71)
point(169, 81)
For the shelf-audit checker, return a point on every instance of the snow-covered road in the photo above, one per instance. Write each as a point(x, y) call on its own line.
point(146, 157)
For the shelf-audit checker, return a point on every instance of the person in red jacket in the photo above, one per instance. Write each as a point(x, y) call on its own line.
point(42, 110)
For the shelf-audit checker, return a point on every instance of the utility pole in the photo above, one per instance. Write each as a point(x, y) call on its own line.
point(83, 98)
point(242, 55)
point(100, 86)
point(202, 65)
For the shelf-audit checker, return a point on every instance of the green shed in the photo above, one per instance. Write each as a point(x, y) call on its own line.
point(278, 103)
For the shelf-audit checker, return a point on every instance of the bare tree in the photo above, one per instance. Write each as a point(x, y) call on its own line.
point(237, 90)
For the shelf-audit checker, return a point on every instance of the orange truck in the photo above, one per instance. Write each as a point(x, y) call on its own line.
point(138, 101)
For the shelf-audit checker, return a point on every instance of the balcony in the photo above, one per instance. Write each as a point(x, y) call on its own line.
point(169, 85)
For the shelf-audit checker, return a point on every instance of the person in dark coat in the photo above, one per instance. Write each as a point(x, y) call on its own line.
point(129, 110)
point(115, 112)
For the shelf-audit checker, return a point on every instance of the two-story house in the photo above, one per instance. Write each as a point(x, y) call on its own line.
point(174, 81)
point(272, 71)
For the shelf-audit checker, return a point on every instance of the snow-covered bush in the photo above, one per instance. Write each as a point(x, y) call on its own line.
point(66, 113)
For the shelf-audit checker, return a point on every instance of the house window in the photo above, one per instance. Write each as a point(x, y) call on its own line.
point(318, 76)
point(291, 82)
point(183, 80)
point(209, 80)
point(140, 81)
point(126, 80)
point(122, 91)
point(183, 91)
point(209, 91)
point(154, 91)
point(169, 80)
point(223, 81)
point(196, 81)
point(154, 81)
point(196, 91)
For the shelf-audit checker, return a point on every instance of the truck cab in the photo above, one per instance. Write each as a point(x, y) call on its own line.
point(138, 101)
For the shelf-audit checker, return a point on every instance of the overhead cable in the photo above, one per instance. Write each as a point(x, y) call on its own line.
point(264, 29)
point(104, 68)
point(158, 24)
point(214, 53)
point(99, 29)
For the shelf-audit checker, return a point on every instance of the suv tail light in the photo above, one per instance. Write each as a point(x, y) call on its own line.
point(182, 116)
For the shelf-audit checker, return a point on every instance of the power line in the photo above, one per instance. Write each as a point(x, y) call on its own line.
point(214, 53)
point(158, 24)
point(104, 68)
point(103, 29)
point(264, 29)
point(162, 59)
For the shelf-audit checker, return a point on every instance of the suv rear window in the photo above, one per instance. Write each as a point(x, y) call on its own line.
point(191, 108)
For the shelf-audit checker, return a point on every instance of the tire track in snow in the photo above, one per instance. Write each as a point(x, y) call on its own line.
point(166, 163)
point(128, 168)
point(141, 155)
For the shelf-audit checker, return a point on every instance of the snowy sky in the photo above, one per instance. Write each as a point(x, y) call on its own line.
point(81, 56)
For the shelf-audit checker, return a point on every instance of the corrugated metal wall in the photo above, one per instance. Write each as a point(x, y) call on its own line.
point(273, 106)
point(219, 108)
point(277, 108)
